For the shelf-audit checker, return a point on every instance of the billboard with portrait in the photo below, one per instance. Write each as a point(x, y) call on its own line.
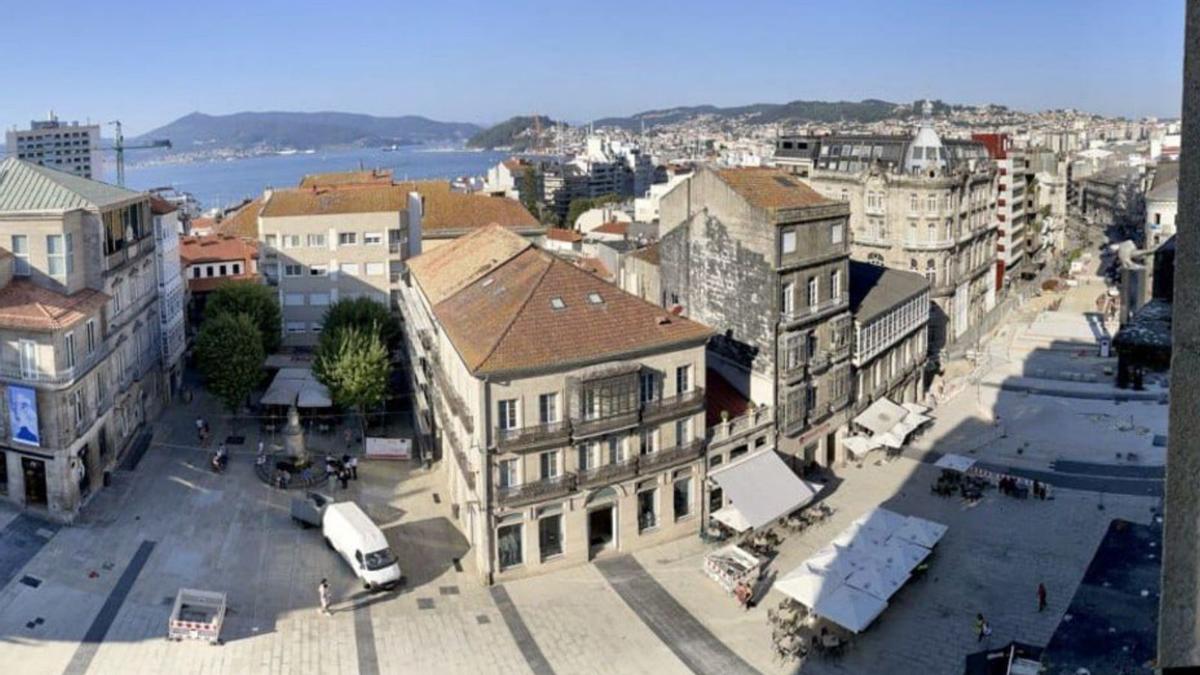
point(23, 416)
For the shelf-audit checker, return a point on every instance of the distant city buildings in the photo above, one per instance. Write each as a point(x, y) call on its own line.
point(72, 148)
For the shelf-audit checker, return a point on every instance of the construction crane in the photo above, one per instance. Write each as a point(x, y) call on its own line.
point(119, 147)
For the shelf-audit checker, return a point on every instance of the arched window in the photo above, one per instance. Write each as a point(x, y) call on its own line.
point(912, 265)
point(931, 271)
point(875, 259)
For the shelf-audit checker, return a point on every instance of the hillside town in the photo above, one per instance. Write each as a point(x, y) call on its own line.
point(688, 391)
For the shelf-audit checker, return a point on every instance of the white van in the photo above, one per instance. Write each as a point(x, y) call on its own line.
point(351, 533)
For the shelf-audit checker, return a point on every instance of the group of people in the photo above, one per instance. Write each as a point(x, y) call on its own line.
point(344, 471)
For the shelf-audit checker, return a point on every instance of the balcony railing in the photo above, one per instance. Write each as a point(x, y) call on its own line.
point(59, 377)
point(593, 426)
point(670, 406)
point(609, 473)
point(752, 420)
point(527, 493)
point(538, 435)
point(671, 456)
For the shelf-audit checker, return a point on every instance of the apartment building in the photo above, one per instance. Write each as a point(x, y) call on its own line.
point(83, 368)
point(891, 319)
point(918, 203)
point(763, 259)
point(172, 292)
point(1015, 209)
point(73, 148)
point(569, 414)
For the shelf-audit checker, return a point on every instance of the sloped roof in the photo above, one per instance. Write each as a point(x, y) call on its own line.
point(770, 188)
point(875, 289)
point(330, 201)
point(243, 222)
point(563, 234)
point(446, 269)
point(25, 186)
point(216, 248)
point(649, 254)
point(503, 317)
point(27, 306)
point(448, 212)
point(336, 178)
point(614, 227)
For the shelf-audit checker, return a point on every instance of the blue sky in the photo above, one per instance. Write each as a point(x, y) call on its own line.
point(147, 63)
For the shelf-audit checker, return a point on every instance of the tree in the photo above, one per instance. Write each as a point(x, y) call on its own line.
point(580, 205)
point(230, 354)
point(255, 301)
point(529, 190)
point(353, 362)
point(362, 313)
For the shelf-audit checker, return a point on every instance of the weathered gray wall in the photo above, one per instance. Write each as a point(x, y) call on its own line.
point(1179, 623)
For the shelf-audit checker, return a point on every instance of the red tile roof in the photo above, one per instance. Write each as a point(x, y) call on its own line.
point(771, 188)
point(27, 306)
point(216, 248)
point(613, 227)
point(341, 178)
point(563, 234)
point(243, 222)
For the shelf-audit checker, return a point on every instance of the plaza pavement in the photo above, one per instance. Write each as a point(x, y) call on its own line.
point(91, 611)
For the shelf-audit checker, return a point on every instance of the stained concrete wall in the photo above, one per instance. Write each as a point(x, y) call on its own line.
point(1179, 620)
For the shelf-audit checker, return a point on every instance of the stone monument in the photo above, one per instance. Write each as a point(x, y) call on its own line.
point(293, 434)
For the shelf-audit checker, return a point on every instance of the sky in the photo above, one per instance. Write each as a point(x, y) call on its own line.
point(147, 63)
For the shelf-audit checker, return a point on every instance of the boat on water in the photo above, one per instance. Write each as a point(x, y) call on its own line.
point(287, 151)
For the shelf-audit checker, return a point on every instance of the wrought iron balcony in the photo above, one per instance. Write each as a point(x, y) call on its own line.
point(609, 473)
point(593, 426)
point(534, 436)
point(679, 454)
point(673, 406)
point(546, 488)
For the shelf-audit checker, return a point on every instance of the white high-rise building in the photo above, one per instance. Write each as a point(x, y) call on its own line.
point(71, 148)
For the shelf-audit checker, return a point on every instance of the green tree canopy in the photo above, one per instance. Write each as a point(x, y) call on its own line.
point(362, 313)
point(582, 204)
point(255, 301)
point(528, 189)
point(353, 362)
point(230, 355)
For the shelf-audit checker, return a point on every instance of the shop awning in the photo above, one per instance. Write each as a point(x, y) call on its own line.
point(881, 416)
point(954, 462)
point(299, 387)
point(761, 488)
point(880, 581)
point(281, 392)
point(881, 520)
point(732, 518)
point(314, 395)
point(921, 532)
point(889, 424)
point(807, 585)
point(850, 608)
point(859, 446)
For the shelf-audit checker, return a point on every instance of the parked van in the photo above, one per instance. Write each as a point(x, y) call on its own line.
point(351, 533)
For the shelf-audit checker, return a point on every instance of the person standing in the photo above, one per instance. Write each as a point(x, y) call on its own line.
point(200, 429)
point(1041, 592)
point(982, 629)
point(323, 593)
point(344, 477)
point(353, 467)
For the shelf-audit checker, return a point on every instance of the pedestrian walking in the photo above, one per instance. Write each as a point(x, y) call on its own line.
point(323, 593)
point(200, 429)
point(354, 468)
point(1041, 597)
point(982, 629)
point(344, 477)
point(262, 449)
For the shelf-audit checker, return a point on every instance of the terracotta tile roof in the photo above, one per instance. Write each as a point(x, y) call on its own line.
point(648, 253)
point(326, 201)
point(504, 319)
point(449, 212)
point(771, 188)
point(563, 234)
point(202, 223)
point(595, 266)
point(243, 222)
point(446, 269)
point(209, 284)
point(216, 248)
point(720, 396)
point(613, 227)
point(338, 178)
point(27, 306)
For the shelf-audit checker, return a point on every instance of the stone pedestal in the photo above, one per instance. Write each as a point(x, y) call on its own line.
point(293, 434)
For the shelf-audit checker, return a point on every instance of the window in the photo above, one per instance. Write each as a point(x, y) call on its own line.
point(293, 270)
point(348, 268)
point(585, 458)
point(615, 454)
point(814, 289)
point(29, 361)
point(315, 326)
point(609, 396)
point(550, 539)
point(548, 408)
point(913, 203)
point(508, 545)
point(682, 498)
point(789, 298)
point(506, 414)
point(373, 238)
point(223, 271)
point(375, 269)
point(836, 233)
point(595, 299)
point(548, 463)
point(649, 439)
point(318, 299)
point(69, 348)
point(294, 327)
point(875, 259)
point(316, 240)
point(835, 284)
point(931, 272)
point(293, 299)
point(77, 404)
point(20, 251)
point(291, 241)
point(650, 388)
point(272, 241)
point(683, 431)
point(347, 238)
point(683, 379)
point(90, 332)
point(931, 204)
point(647, 509)
point(318, 270)
point(56, 257)
point(508, 476)
point(789, 241)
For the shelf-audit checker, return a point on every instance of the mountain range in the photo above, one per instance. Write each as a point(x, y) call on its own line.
point(865, 111)
point(302, 130)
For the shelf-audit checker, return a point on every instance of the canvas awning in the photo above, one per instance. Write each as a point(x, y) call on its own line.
point(881, 416)
point(890, 423)
point(954, 462)
point(859, 446)
point(314, 395)
point(732, 518)
point(881, 520)
point(281, 392)
point(807, 585)
point(299, 387)
point(921, 532)
point(762, 488)
point(880, 581)
point(850, 608)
